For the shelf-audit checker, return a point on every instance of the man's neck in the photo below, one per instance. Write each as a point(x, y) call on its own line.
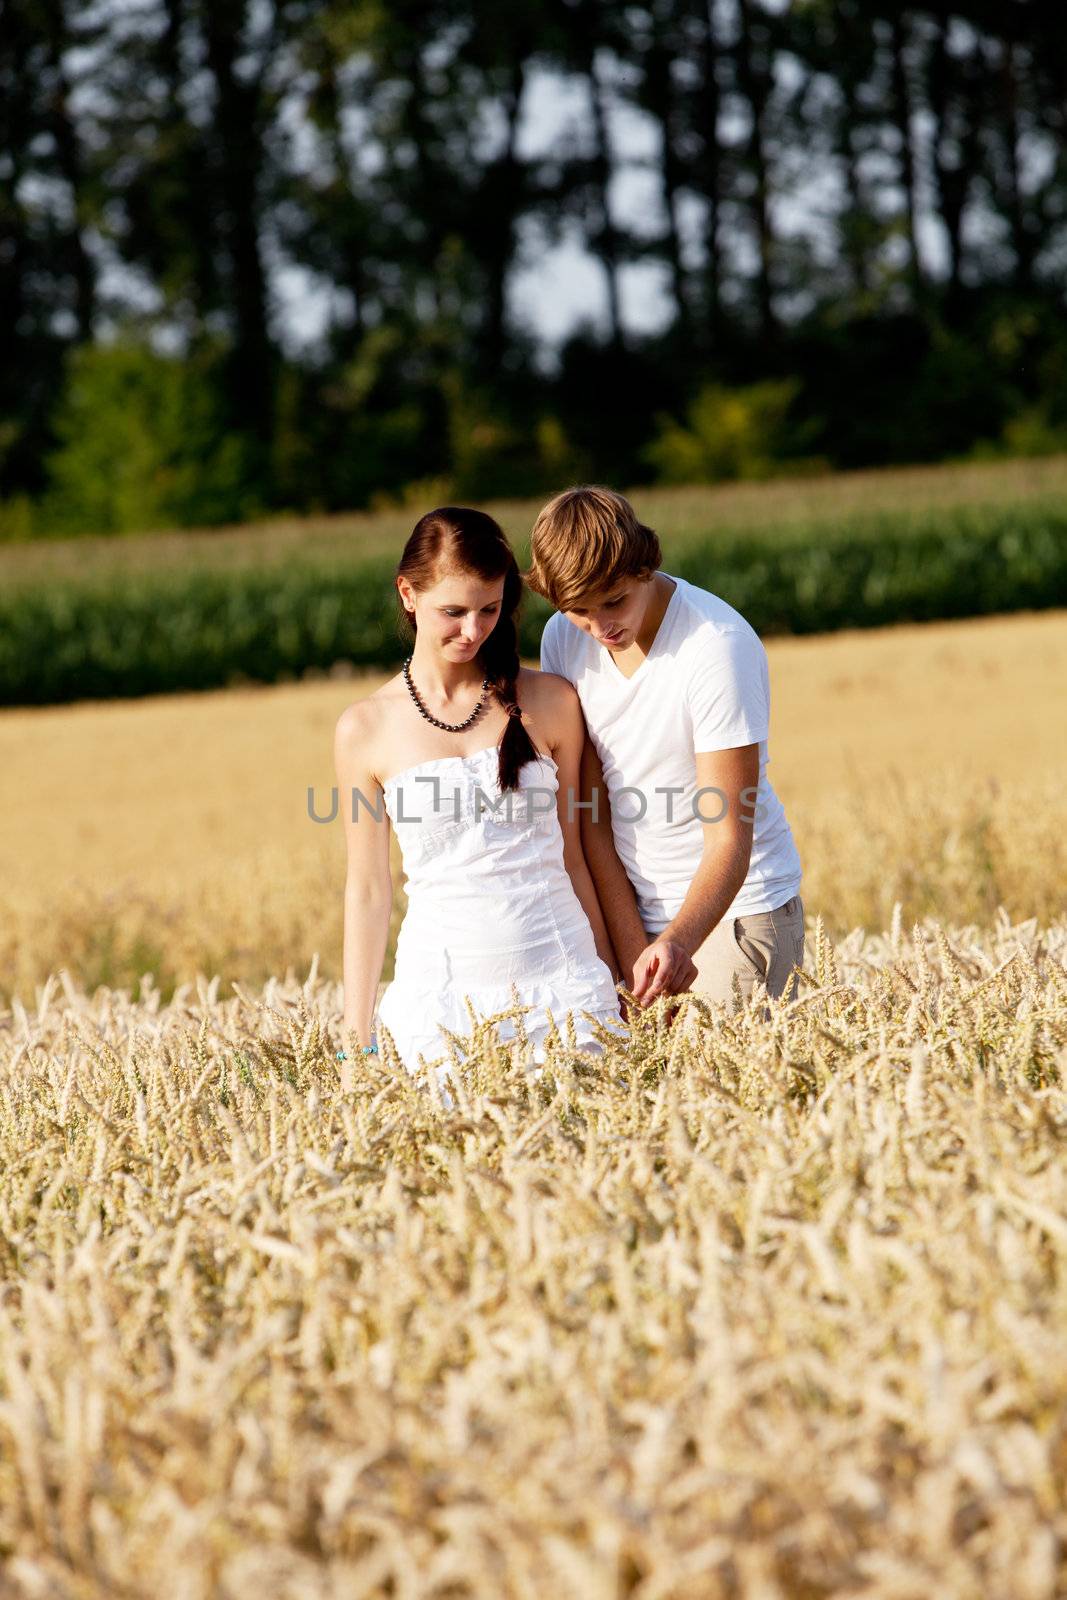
point(627, 661)
point(658, 601)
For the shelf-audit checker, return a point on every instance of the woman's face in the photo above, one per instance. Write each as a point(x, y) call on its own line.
point(457, 614)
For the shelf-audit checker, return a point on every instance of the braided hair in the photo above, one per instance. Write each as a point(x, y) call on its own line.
point(458, 537)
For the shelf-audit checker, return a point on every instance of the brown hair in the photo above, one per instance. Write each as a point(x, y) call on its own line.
point(584, 541)
point(455, 538)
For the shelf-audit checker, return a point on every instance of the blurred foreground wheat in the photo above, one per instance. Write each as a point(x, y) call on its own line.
point(759, 1309)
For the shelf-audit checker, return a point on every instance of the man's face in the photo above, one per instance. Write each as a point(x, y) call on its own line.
point(613, 616)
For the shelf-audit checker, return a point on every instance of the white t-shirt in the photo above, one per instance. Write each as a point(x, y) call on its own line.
point(703, 686)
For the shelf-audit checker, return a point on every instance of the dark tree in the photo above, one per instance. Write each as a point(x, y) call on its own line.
point(48, 203)
point(868, 197)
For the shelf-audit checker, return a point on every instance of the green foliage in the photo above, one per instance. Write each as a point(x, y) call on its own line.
point(156, 631)
point(19, 520)
point(364, 427)
point(143, 444)
point(1032, 432)
point(494, 455)
point(742, 433)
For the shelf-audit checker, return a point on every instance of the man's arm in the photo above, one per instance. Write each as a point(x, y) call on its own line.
point(729, 779)
point(614, 889)
point(635, 950)
point(572, 786)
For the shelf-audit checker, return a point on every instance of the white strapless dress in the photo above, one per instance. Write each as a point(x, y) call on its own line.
point(492, 916)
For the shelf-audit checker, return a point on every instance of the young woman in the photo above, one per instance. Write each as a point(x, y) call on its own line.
point(474, 762)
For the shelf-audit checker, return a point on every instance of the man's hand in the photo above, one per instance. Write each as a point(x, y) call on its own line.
point(663, 967)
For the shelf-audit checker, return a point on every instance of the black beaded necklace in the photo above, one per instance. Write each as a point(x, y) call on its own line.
point(447, 727)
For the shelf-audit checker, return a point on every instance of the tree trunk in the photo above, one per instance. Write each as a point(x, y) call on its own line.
point(329, 118)
point(661, 101)
point(711, 171)
point(69, 164)
point(506, 188)
point(901, 102)
point(855, 247)
point(605, 239)
point(754, 83)
point(954, 122)
point(195, 180)
point(240, 158)
point(1024, 242)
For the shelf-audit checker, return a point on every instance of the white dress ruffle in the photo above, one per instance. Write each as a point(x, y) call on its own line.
point(492, 916)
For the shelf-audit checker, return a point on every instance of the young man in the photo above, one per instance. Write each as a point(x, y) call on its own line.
point(693, 859)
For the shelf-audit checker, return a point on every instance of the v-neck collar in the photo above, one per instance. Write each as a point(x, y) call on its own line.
point(617, 672)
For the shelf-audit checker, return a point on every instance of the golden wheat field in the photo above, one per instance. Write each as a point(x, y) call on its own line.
point(760, 1310)
point(746, 1308)
point(171, 835)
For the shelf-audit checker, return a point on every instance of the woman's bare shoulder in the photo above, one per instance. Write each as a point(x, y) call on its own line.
point(362, 721)
point(550, 707)
point(545, 689)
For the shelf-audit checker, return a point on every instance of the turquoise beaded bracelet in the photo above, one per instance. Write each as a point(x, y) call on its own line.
point(364, 1050)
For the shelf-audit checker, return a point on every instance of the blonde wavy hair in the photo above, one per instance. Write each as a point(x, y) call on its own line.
point(584, 540)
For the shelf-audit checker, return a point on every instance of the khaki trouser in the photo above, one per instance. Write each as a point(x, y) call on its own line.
point(764, 947)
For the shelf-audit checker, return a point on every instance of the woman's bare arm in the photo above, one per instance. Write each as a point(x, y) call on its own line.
point(368, 882)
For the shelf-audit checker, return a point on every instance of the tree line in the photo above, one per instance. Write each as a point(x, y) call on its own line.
point(857, 210)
